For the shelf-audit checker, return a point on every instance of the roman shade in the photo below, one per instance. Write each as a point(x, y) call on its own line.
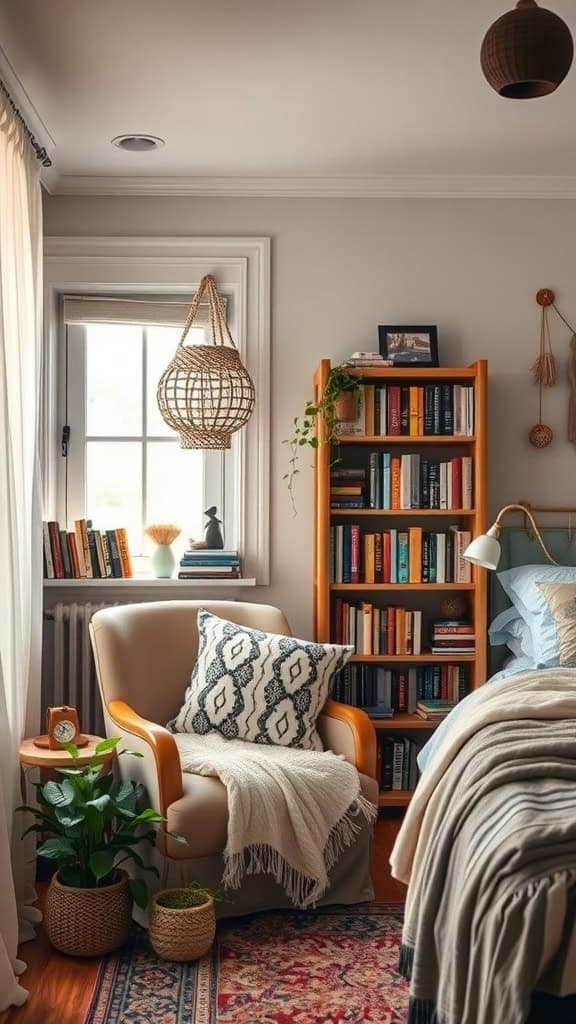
point(152, 312)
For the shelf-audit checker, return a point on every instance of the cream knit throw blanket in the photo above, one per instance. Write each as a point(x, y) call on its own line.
point(291, 812)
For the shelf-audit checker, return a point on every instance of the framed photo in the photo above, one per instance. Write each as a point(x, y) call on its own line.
point(409, 346)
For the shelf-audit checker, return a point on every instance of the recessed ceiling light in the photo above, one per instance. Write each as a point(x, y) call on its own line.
point(137, 143)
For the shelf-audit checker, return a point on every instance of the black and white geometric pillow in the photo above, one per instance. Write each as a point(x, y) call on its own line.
point(257, 686)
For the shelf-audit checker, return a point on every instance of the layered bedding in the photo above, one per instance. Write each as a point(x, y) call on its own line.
point(488, 849)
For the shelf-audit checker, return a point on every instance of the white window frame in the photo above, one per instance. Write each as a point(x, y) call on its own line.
point(170, 267)
point(218, 472)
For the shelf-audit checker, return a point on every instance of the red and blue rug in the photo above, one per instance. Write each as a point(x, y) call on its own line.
point(335, 966)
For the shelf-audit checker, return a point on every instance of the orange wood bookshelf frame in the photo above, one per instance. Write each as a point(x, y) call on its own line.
point(476, 374)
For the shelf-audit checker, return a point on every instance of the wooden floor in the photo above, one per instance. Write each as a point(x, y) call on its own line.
point(60, 987)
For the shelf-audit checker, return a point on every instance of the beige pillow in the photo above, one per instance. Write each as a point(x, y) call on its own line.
point(561, 600)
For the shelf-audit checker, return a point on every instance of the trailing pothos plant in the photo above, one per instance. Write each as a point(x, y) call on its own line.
point(304, 434)
point(91, 823)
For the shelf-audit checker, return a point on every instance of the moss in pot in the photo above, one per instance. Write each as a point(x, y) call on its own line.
point(91, 824)
point(183, 922)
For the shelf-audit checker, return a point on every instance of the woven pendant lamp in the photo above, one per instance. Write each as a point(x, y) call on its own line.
point(527, 52)
point(206, 393)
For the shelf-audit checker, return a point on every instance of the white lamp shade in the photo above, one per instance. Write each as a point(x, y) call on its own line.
point(484, 550)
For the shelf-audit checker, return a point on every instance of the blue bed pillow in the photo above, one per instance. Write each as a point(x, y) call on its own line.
point(509, 628)
point(521, 584)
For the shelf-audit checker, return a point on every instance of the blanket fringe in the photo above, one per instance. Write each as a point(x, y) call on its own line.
point(303, 892)
point(406, 961)
point(422, 1011)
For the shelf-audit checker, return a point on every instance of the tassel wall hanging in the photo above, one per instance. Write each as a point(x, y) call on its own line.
point(544, 371)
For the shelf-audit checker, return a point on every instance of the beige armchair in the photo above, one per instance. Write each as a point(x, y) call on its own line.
point(144, 656)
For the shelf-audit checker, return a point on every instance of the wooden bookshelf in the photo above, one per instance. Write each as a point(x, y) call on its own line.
point(352, 449)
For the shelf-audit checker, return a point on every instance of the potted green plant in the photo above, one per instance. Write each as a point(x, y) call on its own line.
point(91, 824)
point(183, 922)
point(338, 403)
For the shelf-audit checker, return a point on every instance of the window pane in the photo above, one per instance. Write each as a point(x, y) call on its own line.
point(161, 344)
point(175, 489)
point(114, 487)
point(113, 380)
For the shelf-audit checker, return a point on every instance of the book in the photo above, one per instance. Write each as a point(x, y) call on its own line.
point(124, 551)
point(94, 560)
point(73, 555)
point(83, 546)
point(369, 402)
point(49, 573)
point(115, 561)
point(54, 534)
point(65, 554)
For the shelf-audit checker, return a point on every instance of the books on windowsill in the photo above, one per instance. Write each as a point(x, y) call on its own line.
point(85, 553)
point(210, 564)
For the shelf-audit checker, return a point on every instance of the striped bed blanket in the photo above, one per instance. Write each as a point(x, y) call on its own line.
point(488, 850)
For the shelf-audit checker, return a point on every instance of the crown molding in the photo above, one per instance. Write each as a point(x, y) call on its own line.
point(431, 186)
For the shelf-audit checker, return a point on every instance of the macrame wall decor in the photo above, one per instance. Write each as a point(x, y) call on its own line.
point(544, 371)
point(206, 393)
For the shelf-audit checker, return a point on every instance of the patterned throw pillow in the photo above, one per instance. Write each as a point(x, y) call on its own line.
point(257, 686)
point(561, 599)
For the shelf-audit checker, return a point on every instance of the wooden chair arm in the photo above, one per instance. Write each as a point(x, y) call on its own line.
point(162, 746)
point(363, 734)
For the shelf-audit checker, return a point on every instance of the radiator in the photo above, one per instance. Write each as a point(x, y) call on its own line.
point(72, 680)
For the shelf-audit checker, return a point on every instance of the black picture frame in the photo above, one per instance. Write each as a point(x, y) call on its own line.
point(426, 355)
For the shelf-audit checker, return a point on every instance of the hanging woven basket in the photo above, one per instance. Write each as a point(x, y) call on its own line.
point(206, 393)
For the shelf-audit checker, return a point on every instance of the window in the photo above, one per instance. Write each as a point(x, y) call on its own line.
point(118, 445)
point(125, 465)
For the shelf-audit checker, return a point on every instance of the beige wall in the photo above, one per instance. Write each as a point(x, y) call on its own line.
point(342, 267)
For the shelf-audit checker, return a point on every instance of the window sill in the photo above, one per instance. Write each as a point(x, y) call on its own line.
point(147, 583)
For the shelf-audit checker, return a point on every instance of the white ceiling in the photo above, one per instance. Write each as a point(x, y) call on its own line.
point(364, 97)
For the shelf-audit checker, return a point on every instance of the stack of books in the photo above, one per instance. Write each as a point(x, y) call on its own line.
point(85, 553)
point(347, 488)
point(370, 686)
point(453, 636)
point(398, 556)
point(398, 768)
point(413, 410)
point(434, 711)
point(413, 481)
point(379, 631)
point(368, 359)
point(210, 564)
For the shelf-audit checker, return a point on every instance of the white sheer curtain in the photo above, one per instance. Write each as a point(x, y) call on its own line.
point(20, 520)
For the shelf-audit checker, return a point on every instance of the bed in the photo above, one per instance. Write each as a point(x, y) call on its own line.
point(488, 845)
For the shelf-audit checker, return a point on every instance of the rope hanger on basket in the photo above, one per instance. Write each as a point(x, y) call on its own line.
point(545, 375)
point(206, 393)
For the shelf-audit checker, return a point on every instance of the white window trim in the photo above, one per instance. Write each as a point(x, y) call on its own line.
point(174, 266)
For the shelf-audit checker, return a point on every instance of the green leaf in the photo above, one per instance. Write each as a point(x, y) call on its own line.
point(177, 838)
point(59, 794)
point(57, 849)
point(131, 753)
point(314, 442)
point(67, 819)
point(72, 750)
point(139, 891)
point(101, 863)
point(70, 773)
point(105, 745)
point(99, 803)
point(149, 814)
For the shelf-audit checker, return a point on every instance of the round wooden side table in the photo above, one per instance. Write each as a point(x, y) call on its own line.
point(43, 757)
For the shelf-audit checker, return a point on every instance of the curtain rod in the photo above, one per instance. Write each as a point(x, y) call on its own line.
point(40, 151)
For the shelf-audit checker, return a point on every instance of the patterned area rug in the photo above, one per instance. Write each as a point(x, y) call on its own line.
point(335, 966)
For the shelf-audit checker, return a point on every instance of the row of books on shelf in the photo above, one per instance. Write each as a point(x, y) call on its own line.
point(382, 692)
point(210, 564)
point(398, 556)
point(397, 764)
point(403, 482)
point(85, 553)
point(397, 631)
point(413, 410)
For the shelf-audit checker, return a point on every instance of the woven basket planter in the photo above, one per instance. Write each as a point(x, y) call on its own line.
point(346, 407)
point(181, 933)
point(88, 922)
point(206, 393)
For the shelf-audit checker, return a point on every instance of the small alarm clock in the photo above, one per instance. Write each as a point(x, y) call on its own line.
point(62, 726)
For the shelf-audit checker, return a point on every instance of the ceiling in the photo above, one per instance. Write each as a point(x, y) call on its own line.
point(295, 97)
